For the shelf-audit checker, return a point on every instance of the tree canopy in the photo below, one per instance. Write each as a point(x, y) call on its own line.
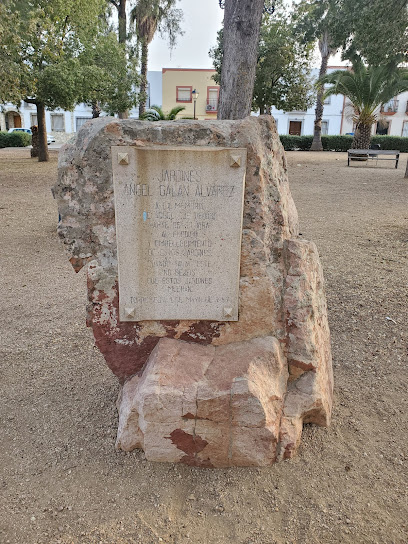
point(283, 69)
point(108, 78)
point(373, 29)
point(56, 53)
point(376, 30)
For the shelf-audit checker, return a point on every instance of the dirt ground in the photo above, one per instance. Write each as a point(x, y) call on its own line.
point(62, 480)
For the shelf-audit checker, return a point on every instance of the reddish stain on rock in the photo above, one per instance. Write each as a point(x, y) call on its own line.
point(114, 128)
point(77, 263)
point(202, 332)
point(125, 353)
point(190, 444)
point(123, 360)
point(189, 415)
point(302, 365)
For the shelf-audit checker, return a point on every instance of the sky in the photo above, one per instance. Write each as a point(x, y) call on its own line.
point(202, 20)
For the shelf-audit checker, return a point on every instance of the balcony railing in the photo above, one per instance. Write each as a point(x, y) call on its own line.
point(212, 105)
point(390, 107)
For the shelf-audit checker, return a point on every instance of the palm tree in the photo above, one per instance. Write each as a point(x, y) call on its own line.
point(155, 113)
point(319, 20)
point(325, 51)
point(148, 16)
point(367, 88)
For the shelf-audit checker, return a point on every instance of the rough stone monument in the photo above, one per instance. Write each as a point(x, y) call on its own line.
point(202, 298)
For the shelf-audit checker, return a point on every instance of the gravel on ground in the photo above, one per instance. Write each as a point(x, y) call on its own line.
point(62, 480)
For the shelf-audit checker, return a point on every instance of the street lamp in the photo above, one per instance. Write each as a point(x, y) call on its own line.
point(195, 96)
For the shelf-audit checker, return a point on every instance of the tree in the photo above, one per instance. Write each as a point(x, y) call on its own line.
point(320, 20)
point(378, 29)
point(46, 48)
point(10, 89)
point(121, 8)
point(283, 69)
point(367, 87)
point(358, 27)
point(108, 77)
point(282, 77)
point(148, 16)
point(242, 22)
point(155, 113)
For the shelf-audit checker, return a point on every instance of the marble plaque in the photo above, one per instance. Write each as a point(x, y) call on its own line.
point(178, 227)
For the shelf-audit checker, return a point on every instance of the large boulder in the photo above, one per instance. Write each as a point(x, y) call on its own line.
point(192, 387)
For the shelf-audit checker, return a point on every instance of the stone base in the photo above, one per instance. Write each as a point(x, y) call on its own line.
point(218, 406)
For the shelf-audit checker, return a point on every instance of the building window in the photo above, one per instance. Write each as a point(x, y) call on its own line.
point(79, 121)
point(33, 119)
point(325, 128)
point(383, 127)
point(390, 107)
point(327, 100)
point(405, 129)
point(57, 122)
point(183, 94)
point(212, 99)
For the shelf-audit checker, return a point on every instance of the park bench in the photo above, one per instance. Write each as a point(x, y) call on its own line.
point(373, 154)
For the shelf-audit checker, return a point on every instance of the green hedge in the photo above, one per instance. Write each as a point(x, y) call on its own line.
point(337, 142)
point(292, 143)
point(341, 143)
point(14, 139)
point(391, 142)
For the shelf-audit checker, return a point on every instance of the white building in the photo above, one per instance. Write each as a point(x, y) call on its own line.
point(62, 124)
point(338, 113)
point(302, 122)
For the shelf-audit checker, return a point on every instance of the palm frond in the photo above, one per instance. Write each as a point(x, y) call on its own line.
point(367, 87)
point(155, 113)
point(174, 111)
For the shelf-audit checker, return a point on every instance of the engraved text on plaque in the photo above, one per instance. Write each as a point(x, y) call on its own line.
point(178, 227)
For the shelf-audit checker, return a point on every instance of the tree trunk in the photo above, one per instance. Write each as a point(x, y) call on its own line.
point(362, 137)
point(143, 79)
point(42, 134)
point(242, 22)
point(96, 109)
point(34, 141)
point(122, 22)
point(325, 52)
point(406, 171)
point(122, 36)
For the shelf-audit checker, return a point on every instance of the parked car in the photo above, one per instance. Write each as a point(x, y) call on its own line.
point(50, 139)
point(28, 130)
